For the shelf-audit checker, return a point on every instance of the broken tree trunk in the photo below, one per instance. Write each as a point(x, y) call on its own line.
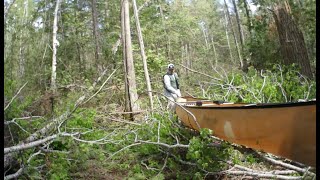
point(130, 78)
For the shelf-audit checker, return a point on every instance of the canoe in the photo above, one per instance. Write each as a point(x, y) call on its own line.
point(283, 129)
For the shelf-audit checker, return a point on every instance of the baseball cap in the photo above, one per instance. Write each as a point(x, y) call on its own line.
point(170, 66)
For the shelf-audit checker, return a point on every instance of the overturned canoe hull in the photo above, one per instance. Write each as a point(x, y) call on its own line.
point(286, 130)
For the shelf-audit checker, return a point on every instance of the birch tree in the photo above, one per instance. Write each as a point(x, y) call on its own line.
point(55, 43)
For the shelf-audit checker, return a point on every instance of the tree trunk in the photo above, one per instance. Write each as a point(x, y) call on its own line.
point(238, 22)
point(55, 43)
point(249, 23)
point(187, 59)
point(214, 51)
point(234, 36)
point(205, 36)
point(130, 79)
point(244, 61)
point(166, 35)
point(293, 47)
point(107, 12)
point(143, 55)
point(96, 34)
point(227, 36)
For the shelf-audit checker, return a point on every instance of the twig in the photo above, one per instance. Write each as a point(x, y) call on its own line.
point(101, 86)
point(131, 145)
point(124, 121)
point(22, 118)
point(164, 165)
point(149, 168)
point(134, 112)
point(165, 145)
point(200, 73)
point(15, 96)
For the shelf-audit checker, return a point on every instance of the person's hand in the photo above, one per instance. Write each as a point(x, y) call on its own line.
point(178, 93)
point(175, 96)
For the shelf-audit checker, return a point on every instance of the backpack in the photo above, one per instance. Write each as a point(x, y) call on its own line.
point(175, 77)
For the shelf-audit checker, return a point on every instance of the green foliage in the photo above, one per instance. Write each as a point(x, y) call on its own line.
point(206, 156)
point(59, 167)
point(19, 103)
point(281, 84)
point(82, 118)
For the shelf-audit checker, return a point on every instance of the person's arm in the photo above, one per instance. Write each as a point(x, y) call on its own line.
point(168, 85)
point(177, 80)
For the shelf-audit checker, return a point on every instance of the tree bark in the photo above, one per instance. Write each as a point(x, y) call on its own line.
point(143, 55)
point(130, 78)
point(55, 43)
point(124, 56)
point(292, 44)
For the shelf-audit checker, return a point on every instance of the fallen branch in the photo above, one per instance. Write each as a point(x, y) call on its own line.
point(165, 145)
point(259, 175)
point(286, 165)
point(134, 112)
point(28, 145)
point(15, 175)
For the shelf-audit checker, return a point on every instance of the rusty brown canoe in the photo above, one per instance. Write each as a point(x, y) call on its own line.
point(287, 130)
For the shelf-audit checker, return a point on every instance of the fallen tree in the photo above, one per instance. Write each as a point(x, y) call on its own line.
point(50, 128)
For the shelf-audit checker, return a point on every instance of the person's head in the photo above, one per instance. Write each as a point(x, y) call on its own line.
point(170, 68)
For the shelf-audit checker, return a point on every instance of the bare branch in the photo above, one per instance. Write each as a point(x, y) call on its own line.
point(289, 166)
point(15, 175)
point(124, 121)
point(101, 86)
point(200, 73)
point(165, 145)
point(131, 145)
point(28, 145)
point(15, 96)
point(260, 175)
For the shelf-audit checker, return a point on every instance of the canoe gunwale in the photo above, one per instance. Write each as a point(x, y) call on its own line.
point(254, 106)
